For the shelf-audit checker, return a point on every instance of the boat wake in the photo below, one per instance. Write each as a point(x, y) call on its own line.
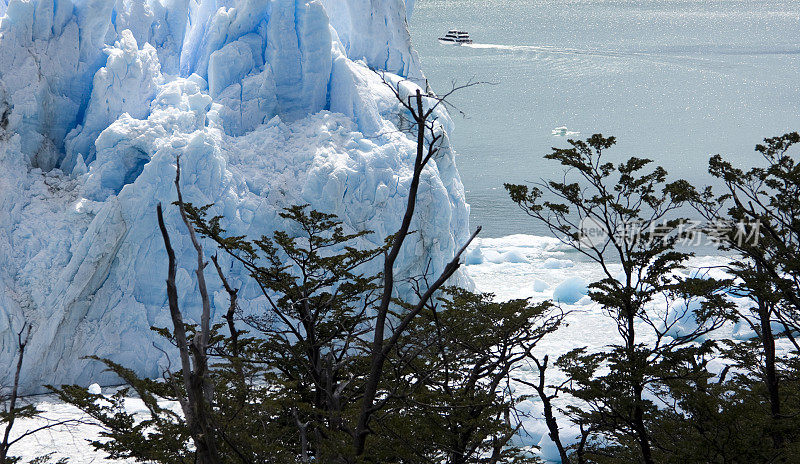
point(680, 60)
point(676, 52)
point(563, 51)
point(533, 48)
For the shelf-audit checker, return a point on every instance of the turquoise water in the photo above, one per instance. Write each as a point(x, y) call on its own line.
point(674, 81)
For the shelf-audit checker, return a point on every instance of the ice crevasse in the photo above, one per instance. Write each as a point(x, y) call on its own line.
point(268, 103)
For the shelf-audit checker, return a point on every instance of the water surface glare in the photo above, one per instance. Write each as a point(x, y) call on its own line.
point(673, 80)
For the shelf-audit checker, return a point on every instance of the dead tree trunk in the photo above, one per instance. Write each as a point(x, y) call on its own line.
point(196, 401)
point(382, 343)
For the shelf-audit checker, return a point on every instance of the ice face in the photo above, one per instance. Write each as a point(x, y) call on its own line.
point(268, 103)
point(380, 38)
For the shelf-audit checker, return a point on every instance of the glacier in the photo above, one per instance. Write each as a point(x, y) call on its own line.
point(268, 103)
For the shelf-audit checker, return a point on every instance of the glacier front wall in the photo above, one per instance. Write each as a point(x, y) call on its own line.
point(269, 103)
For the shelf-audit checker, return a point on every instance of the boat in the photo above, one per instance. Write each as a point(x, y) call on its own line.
point(455, 37)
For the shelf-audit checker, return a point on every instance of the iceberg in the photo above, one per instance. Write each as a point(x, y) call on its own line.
point(268, 103)
point(571, 290)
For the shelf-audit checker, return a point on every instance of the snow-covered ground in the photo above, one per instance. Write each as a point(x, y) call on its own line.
point(65, 441)
point(519, 266)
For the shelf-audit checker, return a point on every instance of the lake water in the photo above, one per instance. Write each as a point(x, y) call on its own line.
point(673, 80)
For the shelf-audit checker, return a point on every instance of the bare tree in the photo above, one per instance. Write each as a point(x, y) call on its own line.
point(195, 402)
point(428, 138)
point(380, 336)
point(547, 405)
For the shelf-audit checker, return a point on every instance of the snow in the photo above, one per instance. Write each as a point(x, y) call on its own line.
point(268, 103)
point(71, 440)
point(555, 263)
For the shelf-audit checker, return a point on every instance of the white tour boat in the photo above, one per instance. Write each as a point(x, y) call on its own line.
point(455, 37)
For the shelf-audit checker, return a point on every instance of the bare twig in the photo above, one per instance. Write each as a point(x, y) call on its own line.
point(381, 345)
point(198, 388)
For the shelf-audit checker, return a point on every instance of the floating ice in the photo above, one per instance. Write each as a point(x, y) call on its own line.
point(570, 291)
point(562, 131)
point(743, 331)
point(473, 256)
point(681, 318)
point(514, 256)
point(555, 263)
point(540, 285)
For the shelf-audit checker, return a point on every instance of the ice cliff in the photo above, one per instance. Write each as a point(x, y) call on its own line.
point(269, 103)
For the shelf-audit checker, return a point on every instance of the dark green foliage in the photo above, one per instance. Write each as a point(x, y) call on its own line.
point(319, 306)
point(339, 369)
point(167, 435)
point(657, 401)
point(466, 351)
point(290, 388)
point(622, 387)
point(760, 208)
